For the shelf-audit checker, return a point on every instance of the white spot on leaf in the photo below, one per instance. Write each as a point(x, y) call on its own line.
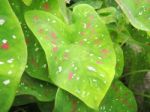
point(6, 82)
point(2, 21)
point(60, 69)
point(90, 68)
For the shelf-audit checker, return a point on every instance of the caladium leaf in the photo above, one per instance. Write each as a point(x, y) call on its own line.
point(137, 11)
point(120, 60)
point(41, 90)
point(13, 55)
point(65, 102)
point(27, 2)
point(37, 65)
point(118, 98)
point(80, 56)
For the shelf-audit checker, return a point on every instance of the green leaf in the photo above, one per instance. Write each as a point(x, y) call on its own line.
point(96, 4)
point(118, 98)
point(27, 2)
point(108, 14)
point(13, 55)
point(23, 100)
point(120, 61)
point(78, 60)
point(137, 64)
point(37, 65)
point(45, 106)
point(137, 11)
point(41, 90)
point(65, 102)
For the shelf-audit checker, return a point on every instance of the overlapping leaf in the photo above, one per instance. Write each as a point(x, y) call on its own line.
point(41, 90)
point(37, 65)
point(137, 11)
point(80, 56)
point(118, 98)
point(13, 55)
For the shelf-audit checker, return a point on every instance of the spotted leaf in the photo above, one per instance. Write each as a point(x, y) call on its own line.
point(65, 102)
point(80, 56)
point(37, 65)
point(118, 98)
point(41, 90)
point(13, 55)
point(137, 11)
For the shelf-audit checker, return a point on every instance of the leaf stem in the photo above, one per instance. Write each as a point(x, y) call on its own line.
point(138, 71)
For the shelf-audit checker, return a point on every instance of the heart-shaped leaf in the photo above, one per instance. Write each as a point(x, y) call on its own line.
point(80, 56)
point(13, 55)
point(137, 11)
point(41, 90)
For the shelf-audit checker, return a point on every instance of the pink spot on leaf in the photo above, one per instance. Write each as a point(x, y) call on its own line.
point(105, 51)
point(70, 76)
point(36, 18)
point(53, 35)
point(46, 6)
point(5, 46)
point(55, 49)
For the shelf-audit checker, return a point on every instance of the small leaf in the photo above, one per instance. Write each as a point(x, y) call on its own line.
point(137, 11)
point(13, 55)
